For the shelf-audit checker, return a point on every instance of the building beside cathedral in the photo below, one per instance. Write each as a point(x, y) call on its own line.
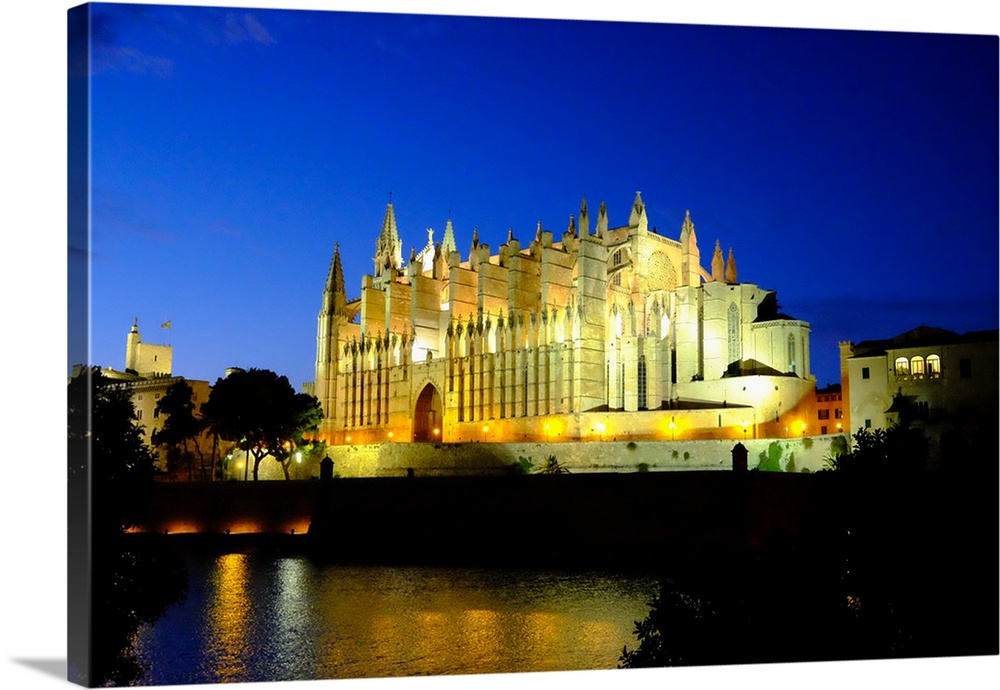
point(600, 332)
point(148, 376)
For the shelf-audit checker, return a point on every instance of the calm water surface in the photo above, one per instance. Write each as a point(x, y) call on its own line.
point(251, 617)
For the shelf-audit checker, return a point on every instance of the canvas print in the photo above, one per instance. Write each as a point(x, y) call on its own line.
point(424, 345)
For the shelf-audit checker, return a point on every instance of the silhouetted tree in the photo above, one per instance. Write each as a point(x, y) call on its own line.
point(181, 427)
point(261, 413)
point(900, 448)
point(130, 584)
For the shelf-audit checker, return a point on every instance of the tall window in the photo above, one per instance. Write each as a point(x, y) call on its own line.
point(791, 353)
point(902, 367)
point(641, 381)
point(734, 333)
point(917, 367)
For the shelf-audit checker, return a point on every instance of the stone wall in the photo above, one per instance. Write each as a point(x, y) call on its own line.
point(806, 454)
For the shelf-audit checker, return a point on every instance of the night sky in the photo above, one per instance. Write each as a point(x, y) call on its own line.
point(855, 172)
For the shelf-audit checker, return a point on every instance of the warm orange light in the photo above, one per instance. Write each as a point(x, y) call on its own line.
point(390, 435)
point(348, 439)
point(437, 431)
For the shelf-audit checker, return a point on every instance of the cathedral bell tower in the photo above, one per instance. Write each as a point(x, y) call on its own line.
point(388, 251)
point(332, 317)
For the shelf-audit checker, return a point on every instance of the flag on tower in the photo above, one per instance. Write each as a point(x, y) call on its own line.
point(165, 325)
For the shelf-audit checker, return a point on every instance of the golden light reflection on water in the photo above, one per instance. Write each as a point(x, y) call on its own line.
point(228, 616)
point(287, 618)
point(480, 630)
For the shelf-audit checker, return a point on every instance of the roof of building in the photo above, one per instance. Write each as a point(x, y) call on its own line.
point(921, 336)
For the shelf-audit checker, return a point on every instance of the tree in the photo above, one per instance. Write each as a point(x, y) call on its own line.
point(181, 426)
point(129, 583)
point(105, 437)
point(900, 448)
point(260, 412)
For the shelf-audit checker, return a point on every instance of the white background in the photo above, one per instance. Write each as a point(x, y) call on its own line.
point(33, 336)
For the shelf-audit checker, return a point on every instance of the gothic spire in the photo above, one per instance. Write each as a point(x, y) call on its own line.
point(334, 294)
point(388, 250)
point(731, 268)
point(602, 219)
point(718, 265)
point(584, 218)
point(448, 241)
point(638, 211)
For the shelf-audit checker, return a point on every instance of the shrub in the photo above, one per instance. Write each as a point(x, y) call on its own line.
point(642, 467)
point(631, 445)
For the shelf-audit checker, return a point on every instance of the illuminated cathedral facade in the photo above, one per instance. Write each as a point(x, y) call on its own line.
point(597, 333)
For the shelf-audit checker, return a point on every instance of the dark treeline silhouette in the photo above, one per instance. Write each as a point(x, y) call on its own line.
point(131, 582)
point(901, 563)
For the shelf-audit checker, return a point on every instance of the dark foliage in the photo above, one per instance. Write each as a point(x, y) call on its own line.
point(261, 414)
point(129, 586)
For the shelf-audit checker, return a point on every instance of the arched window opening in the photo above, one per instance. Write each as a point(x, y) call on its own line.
point(917, 367)
point(933, 366)
point(902, 368)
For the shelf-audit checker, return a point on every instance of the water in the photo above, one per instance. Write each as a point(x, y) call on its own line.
point(252, 617)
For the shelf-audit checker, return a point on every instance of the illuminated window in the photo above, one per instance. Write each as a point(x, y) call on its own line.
point(917, 367)
point(933, 366)
point(902, 367)
point(838, 414)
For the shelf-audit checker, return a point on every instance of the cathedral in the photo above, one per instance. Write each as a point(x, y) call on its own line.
point(599, 333)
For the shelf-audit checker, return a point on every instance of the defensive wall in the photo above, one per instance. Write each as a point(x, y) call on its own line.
point(797, 454)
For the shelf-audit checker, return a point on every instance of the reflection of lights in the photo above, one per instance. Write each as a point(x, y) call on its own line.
point(298, 456)
point(228, 613)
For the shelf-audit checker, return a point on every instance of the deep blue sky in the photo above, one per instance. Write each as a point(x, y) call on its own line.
point(853, 172)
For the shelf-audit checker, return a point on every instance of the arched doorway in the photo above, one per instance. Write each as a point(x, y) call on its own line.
point(427, 415)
